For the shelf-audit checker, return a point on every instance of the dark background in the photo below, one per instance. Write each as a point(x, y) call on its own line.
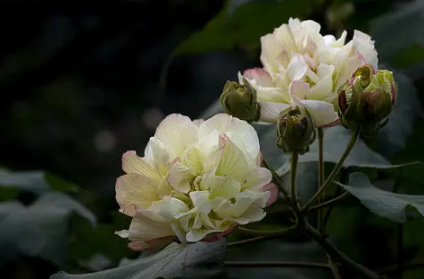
point(81, 82)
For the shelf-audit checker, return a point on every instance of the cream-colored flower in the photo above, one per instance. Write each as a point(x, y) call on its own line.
point(196, 178)
point(303, 68)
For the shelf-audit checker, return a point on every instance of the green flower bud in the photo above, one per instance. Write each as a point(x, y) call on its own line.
point(366, 100)
point(295, 131)
point(240, 101)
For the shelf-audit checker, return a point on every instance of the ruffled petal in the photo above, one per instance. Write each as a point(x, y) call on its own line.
point(261, 77)
point(133, 164)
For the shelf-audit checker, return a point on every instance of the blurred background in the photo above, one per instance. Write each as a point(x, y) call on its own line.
point(82, 82)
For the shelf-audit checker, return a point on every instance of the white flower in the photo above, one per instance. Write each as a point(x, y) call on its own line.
point(196, 178)
point(304, 68)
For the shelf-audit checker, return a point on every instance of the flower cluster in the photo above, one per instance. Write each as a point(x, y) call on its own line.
point(302, 68)
point(196, 179)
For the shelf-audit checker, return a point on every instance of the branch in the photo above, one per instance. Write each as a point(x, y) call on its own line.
point(279, 232)
point(406, 266)
point(277, 264)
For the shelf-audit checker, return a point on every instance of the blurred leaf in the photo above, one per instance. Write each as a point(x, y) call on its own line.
point(242, 26)
point(409, 56)
point(40, 230)
point(7, 208)
point(38, 182)
point(382, 203)
point(392, 138)
point(399, 30)
point(197, 260)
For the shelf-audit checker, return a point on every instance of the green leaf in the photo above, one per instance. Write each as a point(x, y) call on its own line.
point(37, 182)
point(242, 25)
point(399, 30)
point(41, 229)
point(197, 260)
point(382, 203)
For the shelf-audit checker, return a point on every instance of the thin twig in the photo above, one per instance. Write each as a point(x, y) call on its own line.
point(338, 255)
point(334, 268)
point(330, 202)
point(293, 190)
point(277, 264)
point(244, 241)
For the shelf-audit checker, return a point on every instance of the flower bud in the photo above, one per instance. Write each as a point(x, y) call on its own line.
point(366, 100)
point(240, 101)
point(295, 131)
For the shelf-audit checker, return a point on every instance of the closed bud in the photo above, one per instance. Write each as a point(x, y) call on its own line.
point(366, 100)
point(240, 101)
point(295, 131)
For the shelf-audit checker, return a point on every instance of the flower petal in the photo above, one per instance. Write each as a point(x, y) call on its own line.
point(299, 89)
point(177, 133)
point(363, 43)
point(155, 152)
point(229, 160)
point(170, 208)
point(133, 190)
point(272, 188)
point(201, 201)
point(322, 113)
point(144, 228)
point(195, 235)
point(179, 177)
point(297, 67)
point(270, 111)
point(261, 77)
point(133, 164)
point(220, 186)
point(242, 134)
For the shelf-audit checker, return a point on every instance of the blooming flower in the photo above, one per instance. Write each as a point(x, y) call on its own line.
point(197, 179)
point(303, 68)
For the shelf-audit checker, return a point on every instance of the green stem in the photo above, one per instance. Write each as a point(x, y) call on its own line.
point(330, 202)
point(334, 172)
point(293, 170)
point(244, 241)
point(277, 264)
point(320, 174)
point(333, 252)
point(275, 177)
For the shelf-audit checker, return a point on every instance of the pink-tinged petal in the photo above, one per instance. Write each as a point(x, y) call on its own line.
point(216, 236)
point(270, 111)
point(365, 46)
point(322, 113)
point(133, 190)
point(272, 188)
point(261, 77)
point(150, 245)
point(299, 89)
point(177, 133)
point(133, 164)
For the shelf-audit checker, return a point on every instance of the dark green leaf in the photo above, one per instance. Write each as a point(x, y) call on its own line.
point(40, 230)
point(392, 138)
point(242, 26)
point(197, 260)
point(385, 204)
